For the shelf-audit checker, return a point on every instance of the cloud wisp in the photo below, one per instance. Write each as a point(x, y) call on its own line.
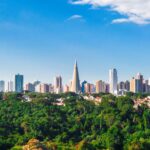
point(135, 11)
point(75, 17)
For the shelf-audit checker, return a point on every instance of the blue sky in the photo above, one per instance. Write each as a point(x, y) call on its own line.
point(42, 38)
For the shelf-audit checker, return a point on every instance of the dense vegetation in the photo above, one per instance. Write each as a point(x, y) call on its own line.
point(114, 124)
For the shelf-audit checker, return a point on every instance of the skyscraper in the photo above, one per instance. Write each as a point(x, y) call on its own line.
point(113, 81)
point(30, 87)
point(70, 86)
point(10, 86)
point(38, 88)
point(51, 88)
point(87, 88)
point(145, 86)
point(19, 82)
point(2, 86)
point(121, 86)
point(127, 86)
point(92, 88)
point(44, 88)
point(107, 87)
point(66, 88)
point(137, 85)
point(83, 86)
point(58, 84)
point(139, 77)
point(134, 85)
point(100, 87)
point(76, 81)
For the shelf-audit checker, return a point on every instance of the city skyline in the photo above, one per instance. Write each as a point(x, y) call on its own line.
point(136, 84)
point(41, 42)
point(54, 78)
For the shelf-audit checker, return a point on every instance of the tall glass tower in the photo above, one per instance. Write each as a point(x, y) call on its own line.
point(2, 86)
point(19, 81)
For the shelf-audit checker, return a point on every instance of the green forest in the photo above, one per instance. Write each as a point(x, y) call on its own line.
point(112, 124)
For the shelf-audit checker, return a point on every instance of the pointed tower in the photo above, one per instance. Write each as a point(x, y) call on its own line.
point(76, 81)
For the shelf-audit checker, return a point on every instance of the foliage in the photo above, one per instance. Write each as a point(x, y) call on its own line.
point(113, 124)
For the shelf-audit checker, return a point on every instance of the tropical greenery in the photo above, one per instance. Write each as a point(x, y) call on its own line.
point(112, 124)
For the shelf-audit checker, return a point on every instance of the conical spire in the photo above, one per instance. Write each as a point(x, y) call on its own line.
point(76, 81)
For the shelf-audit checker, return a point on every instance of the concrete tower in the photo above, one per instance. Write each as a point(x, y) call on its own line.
point(58, 84)
point(113, 81)
point(76, 81)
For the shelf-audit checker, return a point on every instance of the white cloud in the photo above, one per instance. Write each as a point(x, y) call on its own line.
point(75, 17)
point(136, 11)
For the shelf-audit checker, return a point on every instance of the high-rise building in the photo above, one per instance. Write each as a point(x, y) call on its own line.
point(58, 84)
point(145, 86)
point(38, 88)
point(2, 86)
point(44, 88)
point(83, 86)
point(36, 83)
point(70, 86)
point(113, 81)
point(139, 77)
point(149, 82)
point(19, 82)
point(107, 87)
point(134, 85)
point(76, 81)
point(97, 86)
point(10, 86)
point(127, 86)
point(30, 87)
point(87, 88)
point(100, 87)
point(66, 88)
point(51, 88)
point(121, 86)
point(92, 88)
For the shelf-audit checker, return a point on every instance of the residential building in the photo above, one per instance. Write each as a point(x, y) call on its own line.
point(44, 88)
point(100, 87)
point(30, 87)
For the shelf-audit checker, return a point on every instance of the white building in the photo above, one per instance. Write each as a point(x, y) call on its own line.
point(10, 86)
point(38, 88)
point(113, 81)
